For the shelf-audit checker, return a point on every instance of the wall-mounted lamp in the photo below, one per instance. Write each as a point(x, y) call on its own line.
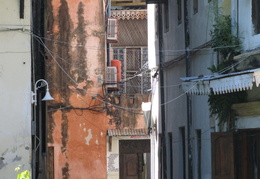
point(47, 96)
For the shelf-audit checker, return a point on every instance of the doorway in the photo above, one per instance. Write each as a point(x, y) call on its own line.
point(134, 159)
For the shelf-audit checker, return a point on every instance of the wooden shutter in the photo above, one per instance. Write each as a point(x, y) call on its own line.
point(222, 144)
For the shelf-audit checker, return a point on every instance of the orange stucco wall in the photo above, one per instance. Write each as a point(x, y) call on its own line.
point(75, 67)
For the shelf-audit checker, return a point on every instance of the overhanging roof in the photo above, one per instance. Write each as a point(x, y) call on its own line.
point(127, 132)
point(220, 84)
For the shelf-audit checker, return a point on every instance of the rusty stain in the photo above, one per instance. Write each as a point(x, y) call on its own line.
point(64, 131)
point(65, 171)
point(51, 127)
point(80, 35)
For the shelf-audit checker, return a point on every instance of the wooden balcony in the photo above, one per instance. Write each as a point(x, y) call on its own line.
point(128, 2)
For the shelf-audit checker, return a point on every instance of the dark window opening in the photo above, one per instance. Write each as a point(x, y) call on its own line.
point(170, 142)
point(256, 15)
point(183, 152)
point(166, 15)
point(198, 132)
point(195, 6)
point(179, 11)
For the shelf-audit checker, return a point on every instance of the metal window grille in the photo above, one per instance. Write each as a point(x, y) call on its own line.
point(135, 73)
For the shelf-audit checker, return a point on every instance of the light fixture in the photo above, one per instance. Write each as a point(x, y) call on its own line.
point(47, 96)
point(146, 107)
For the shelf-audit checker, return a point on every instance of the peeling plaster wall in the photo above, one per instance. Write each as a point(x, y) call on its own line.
point(15, 82)
point(77, 135)
point(129, 115)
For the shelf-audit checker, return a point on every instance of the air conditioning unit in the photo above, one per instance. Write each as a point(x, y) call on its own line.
point(112, 30)
point(111, 78)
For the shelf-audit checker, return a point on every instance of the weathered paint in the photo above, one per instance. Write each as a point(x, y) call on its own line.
point(72, 72)
point(129, 114)
point(15, 82)
point(89, 137)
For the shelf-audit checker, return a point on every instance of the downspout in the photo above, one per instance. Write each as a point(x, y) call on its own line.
point(189, 102)
point(163, 172)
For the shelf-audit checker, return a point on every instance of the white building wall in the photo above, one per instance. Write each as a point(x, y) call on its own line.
point(15, 89)
point(153, 58)
point(246, 29)
point(200, 25)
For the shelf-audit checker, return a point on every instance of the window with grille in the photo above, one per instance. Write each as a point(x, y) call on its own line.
point(135, 73)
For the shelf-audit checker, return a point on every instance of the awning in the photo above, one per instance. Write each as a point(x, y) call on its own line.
point(127, 132)
point(220, 84)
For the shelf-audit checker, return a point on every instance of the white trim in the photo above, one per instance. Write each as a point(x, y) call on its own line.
point(221, 84)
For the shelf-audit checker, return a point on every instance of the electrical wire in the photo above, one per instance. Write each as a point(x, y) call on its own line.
point(100, 48)
point(42, 43)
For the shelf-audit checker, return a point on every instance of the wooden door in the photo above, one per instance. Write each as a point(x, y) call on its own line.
point(222, 144)
point(130, 166)
point(131, 158)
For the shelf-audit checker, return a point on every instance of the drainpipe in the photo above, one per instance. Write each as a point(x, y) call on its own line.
point(189, 102)
point(162, 95)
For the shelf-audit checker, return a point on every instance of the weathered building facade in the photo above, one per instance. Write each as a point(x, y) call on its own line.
point(209, 128)
point(128, 143)
point(15, 81)
point(75, 68)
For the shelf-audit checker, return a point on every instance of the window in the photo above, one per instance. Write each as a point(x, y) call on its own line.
point(255, 15)
point(182, 152)
point(166, 15)
point(112, 30)
point(179, 11)
point(135, 71)
point(198, 132)
point(195, 6)
point(170, 164)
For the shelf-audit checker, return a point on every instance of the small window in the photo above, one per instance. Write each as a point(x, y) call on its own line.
point(182, 153)
point(112, 30)
point(170, 148)
point(166, 15)
point(179, 11)
point(255, 15)
point(198, 131)
point(195, 6)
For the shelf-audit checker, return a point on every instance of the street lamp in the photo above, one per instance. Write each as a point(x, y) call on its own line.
point(47, 96)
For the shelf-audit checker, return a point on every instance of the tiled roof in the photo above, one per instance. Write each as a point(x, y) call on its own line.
point(127, 132)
